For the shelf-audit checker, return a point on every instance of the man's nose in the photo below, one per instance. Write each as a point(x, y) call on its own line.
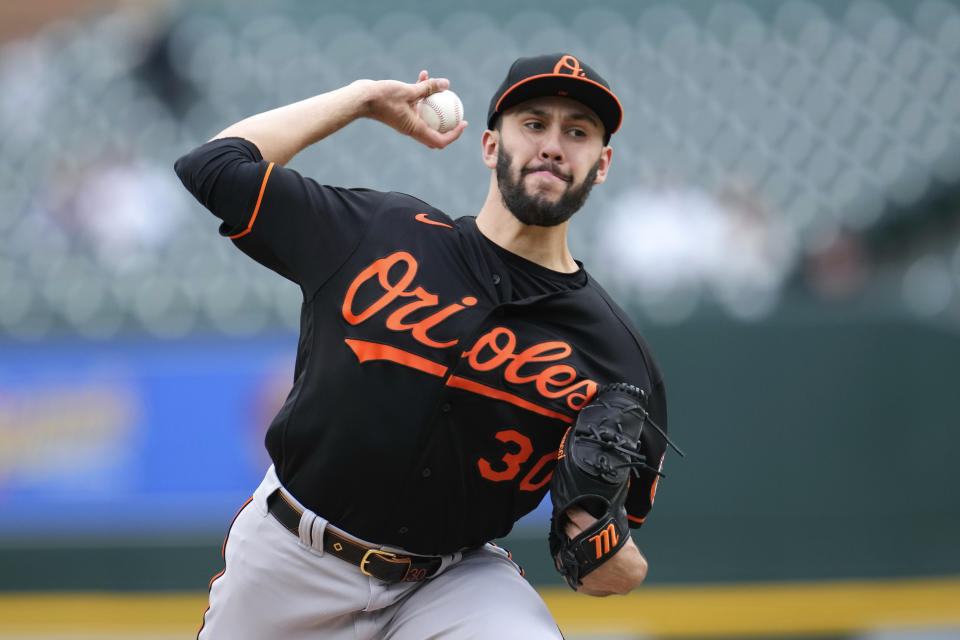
point(551, 148)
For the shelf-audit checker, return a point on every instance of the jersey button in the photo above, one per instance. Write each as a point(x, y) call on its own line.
point(402, 530)
point(445, 407)
point(496, 278)
point(426, 472)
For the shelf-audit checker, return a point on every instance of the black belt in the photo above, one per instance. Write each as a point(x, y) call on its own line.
point(382, 565)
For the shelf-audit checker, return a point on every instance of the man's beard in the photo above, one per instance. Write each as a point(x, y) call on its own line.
point(535, 210)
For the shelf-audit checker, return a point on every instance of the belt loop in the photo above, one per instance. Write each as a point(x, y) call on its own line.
point(312, 530)
point(267, 487)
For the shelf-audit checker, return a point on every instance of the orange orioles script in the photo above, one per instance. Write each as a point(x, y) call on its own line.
point(537, 365)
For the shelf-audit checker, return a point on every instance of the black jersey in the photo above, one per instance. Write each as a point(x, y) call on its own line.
point(436, 372)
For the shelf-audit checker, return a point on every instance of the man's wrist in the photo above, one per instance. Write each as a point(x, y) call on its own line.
point(363, 93)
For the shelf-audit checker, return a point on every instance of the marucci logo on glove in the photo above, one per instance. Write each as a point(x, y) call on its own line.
point(605, 540)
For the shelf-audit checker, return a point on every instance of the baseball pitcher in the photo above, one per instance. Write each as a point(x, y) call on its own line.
point(449, 372)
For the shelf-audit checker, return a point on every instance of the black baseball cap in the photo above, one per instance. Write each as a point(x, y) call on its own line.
point(557, 74)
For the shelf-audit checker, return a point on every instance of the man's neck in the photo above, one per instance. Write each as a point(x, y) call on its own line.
point(545, 246)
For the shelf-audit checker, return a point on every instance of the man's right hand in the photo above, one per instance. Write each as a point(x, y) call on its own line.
point(283, 132)
point(395, 104)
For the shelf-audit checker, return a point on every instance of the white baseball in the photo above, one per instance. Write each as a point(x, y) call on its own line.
point(442, 110)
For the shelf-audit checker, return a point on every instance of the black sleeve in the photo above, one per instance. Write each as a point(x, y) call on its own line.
point(291, 224)
point(643, 488)
point(641, 369)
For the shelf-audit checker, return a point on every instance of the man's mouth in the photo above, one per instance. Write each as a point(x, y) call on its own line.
point(548, 172)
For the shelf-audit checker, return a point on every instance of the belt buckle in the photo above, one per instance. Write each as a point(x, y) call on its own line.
point(376, 552)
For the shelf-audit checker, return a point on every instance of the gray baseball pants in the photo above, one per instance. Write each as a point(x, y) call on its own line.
point(277, 586)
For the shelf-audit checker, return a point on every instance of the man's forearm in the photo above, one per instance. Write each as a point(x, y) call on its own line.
point(618, 575)
point(283, 132)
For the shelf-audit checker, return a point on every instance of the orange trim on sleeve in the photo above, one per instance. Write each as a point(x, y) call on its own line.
point(483, 390)
point(637, 520)
point(256, 209)
point(375, 351)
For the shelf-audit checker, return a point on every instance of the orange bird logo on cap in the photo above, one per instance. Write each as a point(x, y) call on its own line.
point(571, 64)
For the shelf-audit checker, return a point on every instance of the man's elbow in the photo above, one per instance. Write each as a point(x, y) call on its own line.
point(634, 578)
point(631, 578)
point(640, 572)
point(636, 575)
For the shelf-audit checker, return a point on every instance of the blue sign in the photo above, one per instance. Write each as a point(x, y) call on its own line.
point(144, 436)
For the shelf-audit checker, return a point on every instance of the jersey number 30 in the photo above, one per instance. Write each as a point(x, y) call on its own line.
point(518, 452)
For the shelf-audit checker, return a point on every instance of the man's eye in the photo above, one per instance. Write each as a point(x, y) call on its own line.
point(578, 133)
point(535, 125)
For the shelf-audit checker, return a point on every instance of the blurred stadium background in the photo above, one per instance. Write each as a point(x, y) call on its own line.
point(782, 220)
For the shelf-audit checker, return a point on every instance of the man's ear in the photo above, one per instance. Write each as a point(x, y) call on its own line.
point(606, 157)
point(490, 145)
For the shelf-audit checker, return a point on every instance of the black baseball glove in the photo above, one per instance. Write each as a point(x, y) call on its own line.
point(597, 457)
